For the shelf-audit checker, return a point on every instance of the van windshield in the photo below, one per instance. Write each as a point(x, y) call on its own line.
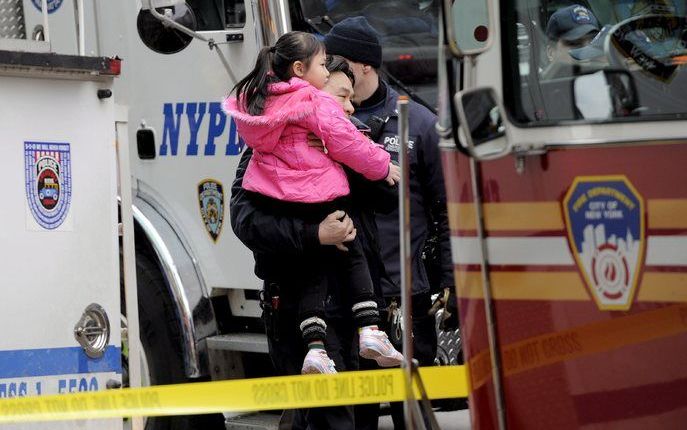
point(595, 60)
point(408, 31)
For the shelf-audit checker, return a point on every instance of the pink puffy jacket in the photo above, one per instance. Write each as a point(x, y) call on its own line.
point(283, 166)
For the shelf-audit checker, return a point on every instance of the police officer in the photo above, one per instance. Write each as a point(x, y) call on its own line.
point(354, 39)
point(569, 31)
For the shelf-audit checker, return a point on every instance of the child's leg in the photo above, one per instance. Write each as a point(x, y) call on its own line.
point(374, 343)
point(361, 290)
point(308, 272)
point(313, 326)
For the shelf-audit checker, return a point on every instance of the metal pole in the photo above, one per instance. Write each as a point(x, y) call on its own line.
point(82, 30)
point(46, 28)
point(406, 262)
point(80, 37)
point(129, 254)
point(488, 299)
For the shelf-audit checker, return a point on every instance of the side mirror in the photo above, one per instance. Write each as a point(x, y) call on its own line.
point(160, 28)
point(604, 95)
point(468, 24)
point(482, 129)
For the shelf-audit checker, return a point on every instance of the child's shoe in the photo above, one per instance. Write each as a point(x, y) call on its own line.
point(375, 345)
point(317, 361)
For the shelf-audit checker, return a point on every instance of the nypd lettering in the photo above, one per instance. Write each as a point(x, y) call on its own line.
point(605, 222)
point(48, 181)
point(211, 201)
point(53, 5)
point(181, 133)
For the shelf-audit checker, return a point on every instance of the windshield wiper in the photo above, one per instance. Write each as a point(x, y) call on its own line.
point(316, 21)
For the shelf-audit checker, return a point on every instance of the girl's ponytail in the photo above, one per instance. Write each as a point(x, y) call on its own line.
point(274, 64)
point(251, 91)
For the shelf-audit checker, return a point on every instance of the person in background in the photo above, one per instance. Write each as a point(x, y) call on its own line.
point(356, 40)
point(569, 29)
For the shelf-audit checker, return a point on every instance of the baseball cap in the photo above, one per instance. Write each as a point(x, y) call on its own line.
point(571, 23)
point(595, 48)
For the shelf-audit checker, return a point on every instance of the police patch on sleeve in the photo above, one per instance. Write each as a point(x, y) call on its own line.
point(48, 178)
point(606, 231)
point(211, 201)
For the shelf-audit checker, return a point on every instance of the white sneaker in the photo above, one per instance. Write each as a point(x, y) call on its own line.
point(375, 345)
point(317, 361)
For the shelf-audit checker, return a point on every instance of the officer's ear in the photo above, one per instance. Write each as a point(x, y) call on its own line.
point(551, 51)
point(367, 69)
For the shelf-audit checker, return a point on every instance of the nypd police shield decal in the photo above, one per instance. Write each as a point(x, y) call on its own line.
point(606, 231)
point(211, 201)
point(53, 5)
point(48, 179)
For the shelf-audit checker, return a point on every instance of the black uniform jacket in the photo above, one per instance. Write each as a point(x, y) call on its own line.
point(427, 194)
point(277, 241)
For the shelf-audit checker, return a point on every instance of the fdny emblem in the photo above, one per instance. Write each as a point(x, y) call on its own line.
point(211, 201)
point(605, 221)
point(48, 175)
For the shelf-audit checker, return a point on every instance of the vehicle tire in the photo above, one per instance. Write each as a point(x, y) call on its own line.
point(161, 342)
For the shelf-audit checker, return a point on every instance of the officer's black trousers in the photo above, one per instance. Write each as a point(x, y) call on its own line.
point(424, 350)
point(287, 353)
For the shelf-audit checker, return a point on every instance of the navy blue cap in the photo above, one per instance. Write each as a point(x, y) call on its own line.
point(595, 48)
point(356, 40)
point(571, 23)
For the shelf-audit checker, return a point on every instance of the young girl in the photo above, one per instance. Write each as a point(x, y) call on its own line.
point(276, 107)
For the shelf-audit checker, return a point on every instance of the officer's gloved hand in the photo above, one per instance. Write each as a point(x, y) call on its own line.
point(446, 301)
point(449, 319)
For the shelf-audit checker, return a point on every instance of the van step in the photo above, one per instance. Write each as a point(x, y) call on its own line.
point(245, 342)
point(259, 421)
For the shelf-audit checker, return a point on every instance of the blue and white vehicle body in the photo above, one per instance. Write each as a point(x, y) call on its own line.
point(59, 253)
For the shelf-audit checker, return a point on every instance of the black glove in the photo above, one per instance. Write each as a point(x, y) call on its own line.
point(447, 303)
point(376, 126)
point(449, 320)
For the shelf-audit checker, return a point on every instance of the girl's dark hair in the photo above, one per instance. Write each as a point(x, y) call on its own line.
point(251, 91)
point(337, 63)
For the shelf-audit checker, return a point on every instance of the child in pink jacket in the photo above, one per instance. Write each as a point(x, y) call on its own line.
point(276, 107)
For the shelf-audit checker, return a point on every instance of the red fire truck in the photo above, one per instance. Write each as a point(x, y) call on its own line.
point(564, 148)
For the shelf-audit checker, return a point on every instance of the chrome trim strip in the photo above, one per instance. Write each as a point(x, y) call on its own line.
point(185, 244)
point(171, 272)
point(284, 15)
point(274, 19)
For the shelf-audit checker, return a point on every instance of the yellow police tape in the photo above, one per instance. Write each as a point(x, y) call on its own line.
point(259, 394)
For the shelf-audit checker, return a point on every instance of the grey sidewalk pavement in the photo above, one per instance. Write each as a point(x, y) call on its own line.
point(454, 420)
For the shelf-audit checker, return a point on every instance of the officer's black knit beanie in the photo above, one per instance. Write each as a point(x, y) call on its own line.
point(356, 40)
